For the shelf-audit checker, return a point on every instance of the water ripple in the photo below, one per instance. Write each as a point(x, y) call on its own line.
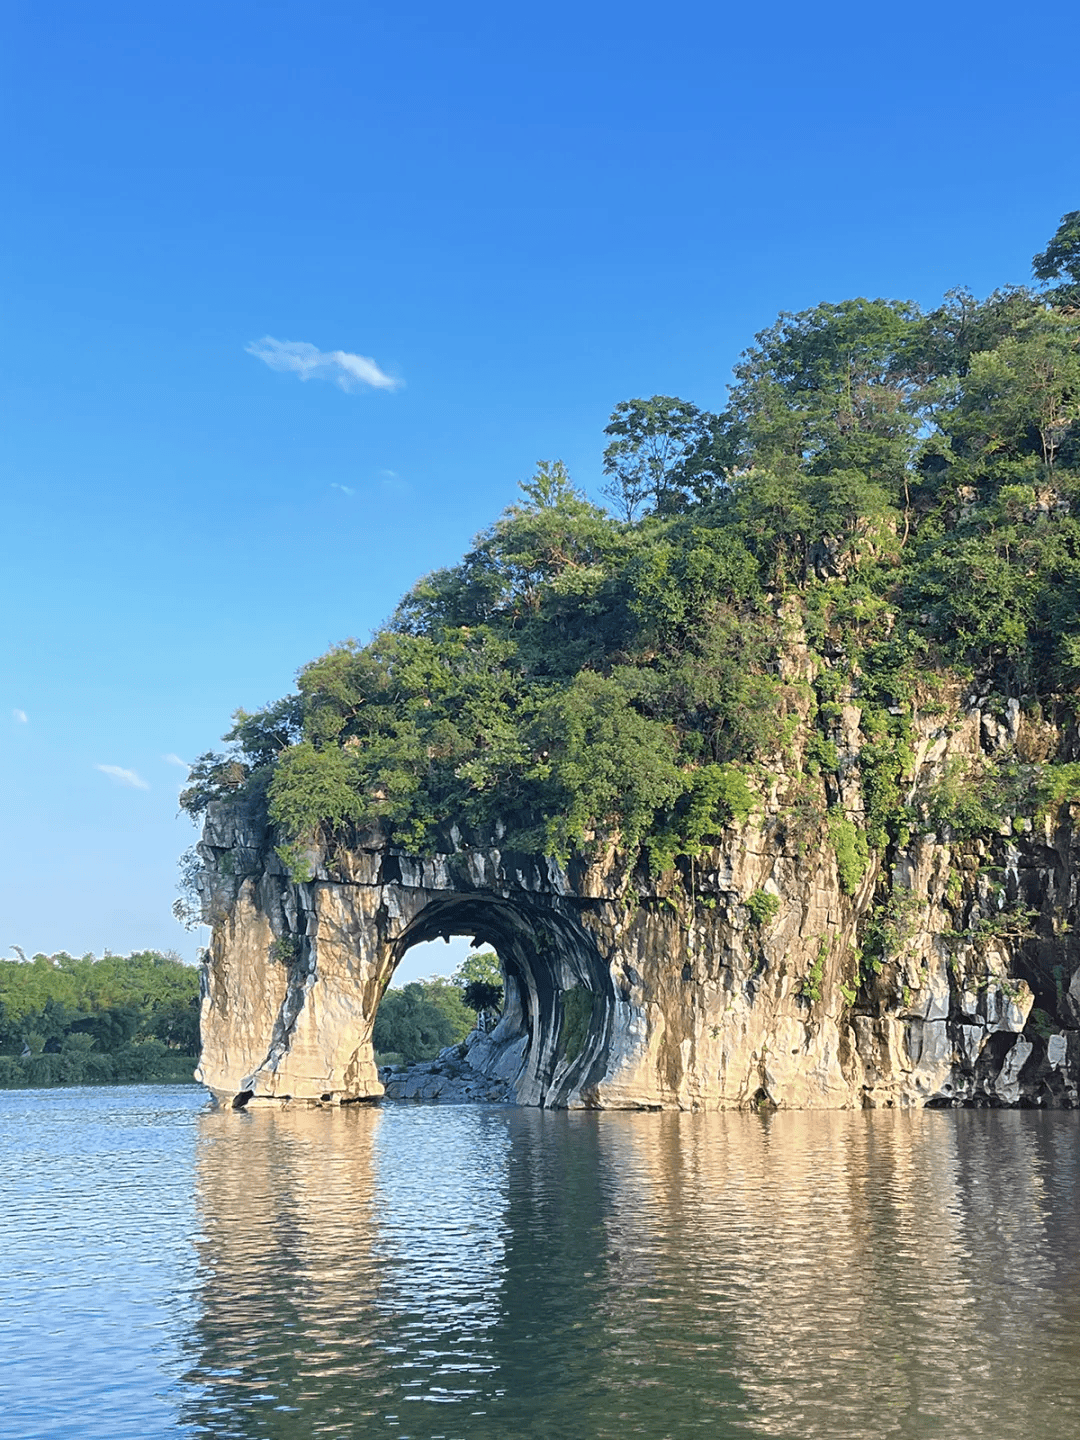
point(425, 1272)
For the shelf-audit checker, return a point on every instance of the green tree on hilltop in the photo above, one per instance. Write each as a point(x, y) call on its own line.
point(660, 448)
point(1061, 261)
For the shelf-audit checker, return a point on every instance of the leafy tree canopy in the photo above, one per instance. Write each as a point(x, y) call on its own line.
point(481, 966)
point(897, 485)
point(1061, 261)
point(480, 979)
point(113, 1017)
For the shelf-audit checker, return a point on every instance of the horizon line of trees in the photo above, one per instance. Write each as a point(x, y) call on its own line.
point(108, 1019)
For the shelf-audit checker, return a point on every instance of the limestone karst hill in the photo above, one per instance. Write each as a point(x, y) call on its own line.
point(762, 787)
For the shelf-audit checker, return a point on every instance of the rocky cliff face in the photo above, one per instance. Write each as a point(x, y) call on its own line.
point(742, 978)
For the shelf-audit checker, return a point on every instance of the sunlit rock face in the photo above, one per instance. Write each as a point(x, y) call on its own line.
point(686, 992)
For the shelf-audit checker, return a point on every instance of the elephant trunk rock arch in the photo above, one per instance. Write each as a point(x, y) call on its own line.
point(295, 971)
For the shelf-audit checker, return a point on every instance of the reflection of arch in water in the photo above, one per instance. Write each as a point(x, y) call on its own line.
point(448, 1273)
point(553, 1036)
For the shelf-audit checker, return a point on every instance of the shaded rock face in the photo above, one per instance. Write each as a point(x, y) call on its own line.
point(688, 992)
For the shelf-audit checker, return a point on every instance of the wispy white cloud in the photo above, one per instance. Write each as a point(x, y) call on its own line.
point(345, 489)
point(351, 372)
point(21, 717)
point(123, 777)
point(172, 759)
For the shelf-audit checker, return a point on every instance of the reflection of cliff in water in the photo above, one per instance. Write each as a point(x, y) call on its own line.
point(490, 1272)
point(563, 1349)
point(336, 1280)
point(286, 1273)
point(876, 1273)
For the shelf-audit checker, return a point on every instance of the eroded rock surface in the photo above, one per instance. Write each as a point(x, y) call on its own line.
point(685, 992)
point(450, 1079)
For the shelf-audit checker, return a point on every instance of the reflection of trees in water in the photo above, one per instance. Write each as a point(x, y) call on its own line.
point(486, 1272)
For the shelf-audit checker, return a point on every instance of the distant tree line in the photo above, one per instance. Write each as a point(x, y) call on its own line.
point(425, 1016)
point(97, 1019)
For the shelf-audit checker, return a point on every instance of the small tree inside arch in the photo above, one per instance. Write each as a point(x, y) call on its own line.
point(479, 977)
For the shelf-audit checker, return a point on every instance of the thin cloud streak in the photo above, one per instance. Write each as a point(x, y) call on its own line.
point(172, 759)
point(21, 717)
point(123, 777)
point(345, 489)
point(298, 357)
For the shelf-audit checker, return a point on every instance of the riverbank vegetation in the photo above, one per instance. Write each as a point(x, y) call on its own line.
point(885, 512)
point(98, 1019)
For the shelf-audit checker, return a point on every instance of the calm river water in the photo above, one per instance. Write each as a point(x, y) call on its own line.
point(480, 1272)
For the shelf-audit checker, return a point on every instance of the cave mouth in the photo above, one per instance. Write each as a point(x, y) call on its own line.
point(558, 999)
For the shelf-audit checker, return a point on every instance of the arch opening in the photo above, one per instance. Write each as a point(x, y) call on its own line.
point(431, 1004)
point(552, 1039)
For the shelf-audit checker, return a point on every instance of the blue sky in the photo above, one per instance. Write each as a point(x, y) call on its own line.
point(520, 216)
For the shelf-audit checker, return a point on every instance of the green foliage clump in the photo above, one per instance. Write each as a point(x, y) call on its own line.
point(975, 799)
point(140, 1063)
point(967, 801)
point(810, 987)
point(605, 759)
point(882, 760)
point(481, 966)
point(1056, 785)
point(713, 797)
point(852, 851)
point(893, 923)
point(1041, 1024)
point(577, 1009)
point(1061, 261)
point(484, 998)
point(314, 787)
point(763, 908)
point(821, 755)
point(113, 1019)
point(479, 978)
